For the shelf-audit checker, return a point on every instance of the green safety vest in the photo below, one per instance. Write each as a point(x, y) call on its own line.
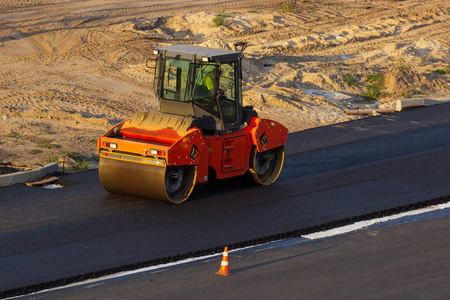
point(208, 82)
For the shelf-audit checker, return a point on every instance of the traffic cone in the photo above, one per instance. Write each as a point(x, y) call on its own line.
point(224, 264)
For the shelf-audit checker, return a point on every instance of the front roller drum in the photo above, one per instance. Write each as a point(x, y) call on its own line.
point(265, 167)
point(167, 183)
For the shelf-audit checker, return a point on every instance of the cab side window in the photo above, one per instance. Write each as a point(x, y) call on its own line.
point(227, 88)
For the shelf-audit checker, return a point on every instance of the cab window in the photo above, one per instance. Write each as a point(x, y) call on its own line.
point(227, 89)
point(175, 78)
point(204, 87)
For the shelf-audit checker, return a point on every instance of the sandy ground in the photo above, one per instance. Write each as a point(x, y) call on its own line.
point(69, 70)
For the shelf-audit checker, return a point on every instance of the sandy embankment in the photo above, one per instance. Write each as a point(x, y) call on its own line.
point(71, 70)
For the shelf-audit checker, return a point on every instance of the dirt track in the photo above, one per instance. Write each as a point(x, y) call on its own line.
point(71, 69)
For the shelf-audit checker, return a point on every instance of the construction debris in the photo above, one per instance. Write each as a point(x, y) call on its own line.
point(369, 111)
point(53, 186)
point(43, 181)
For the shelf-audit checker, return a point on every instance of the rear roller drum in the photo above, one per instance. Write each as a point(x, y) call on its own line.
point(266, 166)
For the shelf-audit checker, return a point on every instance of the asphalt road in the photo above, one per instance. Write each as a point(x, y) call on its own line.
point(406, 261)
point(331, 173)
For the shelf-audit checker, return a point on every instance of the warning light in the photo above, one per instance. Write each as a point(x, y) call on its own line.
point(109, 145)
point(157, 152)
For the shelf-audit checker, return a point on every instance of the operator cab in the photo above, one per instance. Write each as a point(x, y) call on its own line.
point(203, 83)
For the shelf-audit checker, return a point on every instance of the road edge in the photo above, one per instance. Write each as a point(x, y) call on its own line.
point(26, 176)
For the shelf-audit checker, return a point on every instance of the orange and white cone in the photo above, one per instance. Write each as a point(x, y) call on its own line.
point(224, 264)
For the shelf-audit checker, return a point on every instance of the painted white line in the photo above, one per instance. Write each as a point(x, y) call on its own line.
point(100, 280)
point(364, 224)
point(94, 285)
point(159, 271)
point(207, 258)
point(262, 249)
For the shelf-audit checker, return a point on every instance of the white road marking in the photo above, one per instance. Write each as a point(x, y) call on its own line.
point(364, 224)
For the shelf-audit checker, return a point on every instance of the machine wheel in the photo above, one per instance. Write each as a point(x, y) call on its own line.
point(266, 166)
point(179, 182)
point(174, 178)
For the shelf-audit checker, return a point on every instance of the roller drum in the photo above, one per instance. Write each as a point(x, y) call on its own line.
point(167, 183)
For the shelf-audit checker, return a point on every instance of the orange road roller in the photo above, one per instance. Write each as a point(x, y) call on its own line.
point(202, 128)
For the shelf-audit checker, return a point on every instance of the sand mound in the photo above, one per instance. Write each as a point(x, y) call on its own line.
point(423, 51)
point(69, 70)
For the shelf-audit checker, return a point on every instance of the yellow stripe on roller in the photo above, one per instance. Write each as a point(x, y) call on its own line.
point(135, 159)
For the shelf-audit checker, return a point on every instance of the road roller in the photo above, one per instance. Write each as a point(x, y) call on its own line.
point(202, 129)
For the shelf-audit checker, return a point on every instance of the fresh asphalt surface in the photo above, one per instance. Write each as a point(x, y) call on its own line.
point(330, 173)
point(404, 261)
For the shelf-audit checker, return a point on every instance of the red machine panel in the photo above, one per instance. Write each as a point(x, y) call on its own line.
point(233, 154)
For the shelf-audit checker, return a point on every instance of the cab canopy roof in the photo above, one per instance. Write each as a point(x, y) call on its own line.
point(219, 55)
